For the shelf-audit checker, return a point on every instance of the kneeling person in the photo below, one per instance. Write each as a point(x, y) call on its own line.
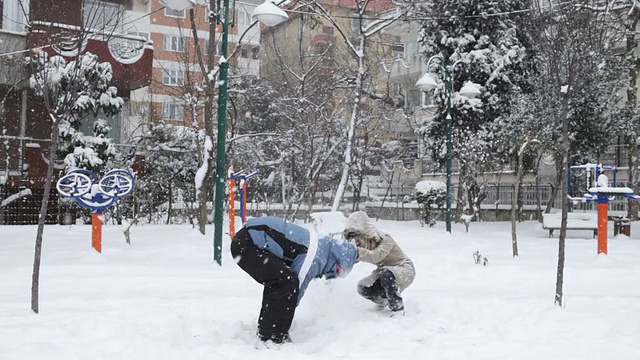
point(395, 271)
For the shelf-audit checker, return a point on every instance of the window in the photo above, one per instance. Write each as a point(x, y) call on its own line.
point(172, 111)
point(135, 43)
point(174, 43)
point(244, 18)
point(102, 15)
point(173, 13)
point(244, 53)
point(172, 77)
point(142, 34)
point(410, 49)
point(12, 17)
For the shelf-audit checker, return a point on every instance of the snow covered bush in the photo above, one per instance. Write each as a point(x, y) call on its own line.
point(81, 102)
point(431, 196)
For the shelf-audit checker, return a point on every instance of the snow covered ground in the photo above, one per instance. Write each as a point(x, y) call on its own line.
point(164, 298)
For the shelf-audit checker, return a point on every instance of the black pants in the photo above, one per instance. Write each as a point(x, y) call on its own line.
point(383, 292)
point(280, 294)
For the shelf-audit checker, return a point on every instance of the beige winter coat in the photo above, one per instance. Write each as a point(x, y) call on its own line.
point(379, 248)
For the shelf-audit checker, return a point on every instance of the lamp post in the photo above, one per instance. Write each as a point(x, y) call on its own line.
point(267, 13)
point(470, 90)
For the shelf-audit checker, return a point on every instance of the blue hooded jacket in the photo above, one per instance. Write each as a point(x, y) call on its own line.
point(327, 256)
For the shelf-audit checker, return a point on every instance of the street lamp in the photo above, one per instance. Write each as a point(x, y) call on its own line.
point(271, 15)
point(470, 90)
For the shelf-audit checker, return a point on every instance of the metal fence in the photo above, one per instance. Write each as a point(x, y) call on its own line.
point(501, 195)
point(20, 204)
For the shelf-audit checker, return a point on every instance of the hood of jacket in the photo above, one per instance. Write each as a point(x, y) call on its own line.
point(360, 223)
point(340, 260)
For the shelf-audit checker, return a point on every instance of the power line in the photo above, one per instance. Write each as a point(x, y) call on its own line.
point(485, 15)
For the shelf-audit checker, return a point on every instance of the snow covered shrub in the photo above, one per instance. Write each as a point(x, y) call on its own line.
point(82, 103)
point(431, 196)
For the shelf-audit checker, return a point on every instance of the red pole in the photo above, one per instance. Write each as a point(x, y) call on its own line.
point(96, 232)
point(603, 208)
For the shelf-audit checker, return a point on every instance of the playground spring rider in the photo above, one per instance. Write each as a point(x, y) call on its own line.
point(243, 175)
point(601, 192)
point(97, 195)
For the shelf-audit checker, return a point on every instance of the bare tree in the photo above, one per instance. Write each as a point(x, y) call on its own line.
point(516, 194)
point(68, 89)
point(355, 42)
point(309, 115)
point(571, 42)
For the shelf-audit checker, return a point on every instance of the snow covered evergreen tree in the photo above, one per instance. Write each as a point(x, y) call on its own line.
point(485, 36)
point(80, 87)
point(168, 169)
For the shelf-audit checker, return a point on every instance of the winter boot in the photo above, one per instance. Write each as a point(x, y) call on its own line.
point(275, 338)
point(390, 287)
point(374, 293)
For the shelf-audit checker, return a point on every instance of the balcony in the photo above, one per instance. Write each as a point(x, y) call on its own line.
point(130, 56)
point(405, 70)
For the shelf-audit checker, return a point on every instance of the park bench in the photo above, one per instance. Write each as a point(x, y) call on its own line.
point(575, 221)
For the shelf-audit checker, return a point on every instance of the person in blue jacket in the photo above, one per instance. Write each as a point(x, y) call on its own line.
point(285, 257)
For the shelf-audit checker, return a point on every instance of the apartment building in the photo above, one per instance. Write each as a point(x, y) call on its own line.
point(53, 26)
point(175, 93)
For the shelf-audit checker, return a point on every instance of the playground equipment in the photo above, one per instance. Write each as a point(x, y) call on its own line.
point(96, 195)
point(243, 175)
point(598, 190)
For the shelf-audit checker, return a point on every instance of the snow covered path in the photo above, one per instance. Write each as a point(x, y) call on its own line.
point(164, 298)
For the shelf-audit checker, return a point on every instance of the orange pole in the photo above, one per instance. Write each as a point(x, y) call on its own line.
point(602, 227)
point(96, 232)
point(232, 211)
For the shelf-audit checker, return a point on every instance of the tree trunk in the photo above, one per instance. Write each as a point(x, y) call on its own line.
point(556, 185)
point(633, 205)
point(462, 190)
point(208, 154)
point(563, 223)
point(357, 191)
point(170, 203)
point(351, 130)
point(514, 203)
point(632, 101)
point(35, 280)
point(537, 180)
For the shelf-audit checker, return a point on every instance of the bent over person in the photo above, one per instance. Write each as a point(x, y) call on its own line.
point(394, 272)
point(285, 257)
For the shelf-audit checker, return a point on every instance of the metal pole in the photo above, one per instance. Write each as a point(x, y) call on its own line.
point(220, 147)
point(449, 90)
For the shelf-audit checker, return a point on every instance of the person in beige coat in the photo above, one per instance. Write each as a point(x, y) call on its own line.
point(394, 272)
